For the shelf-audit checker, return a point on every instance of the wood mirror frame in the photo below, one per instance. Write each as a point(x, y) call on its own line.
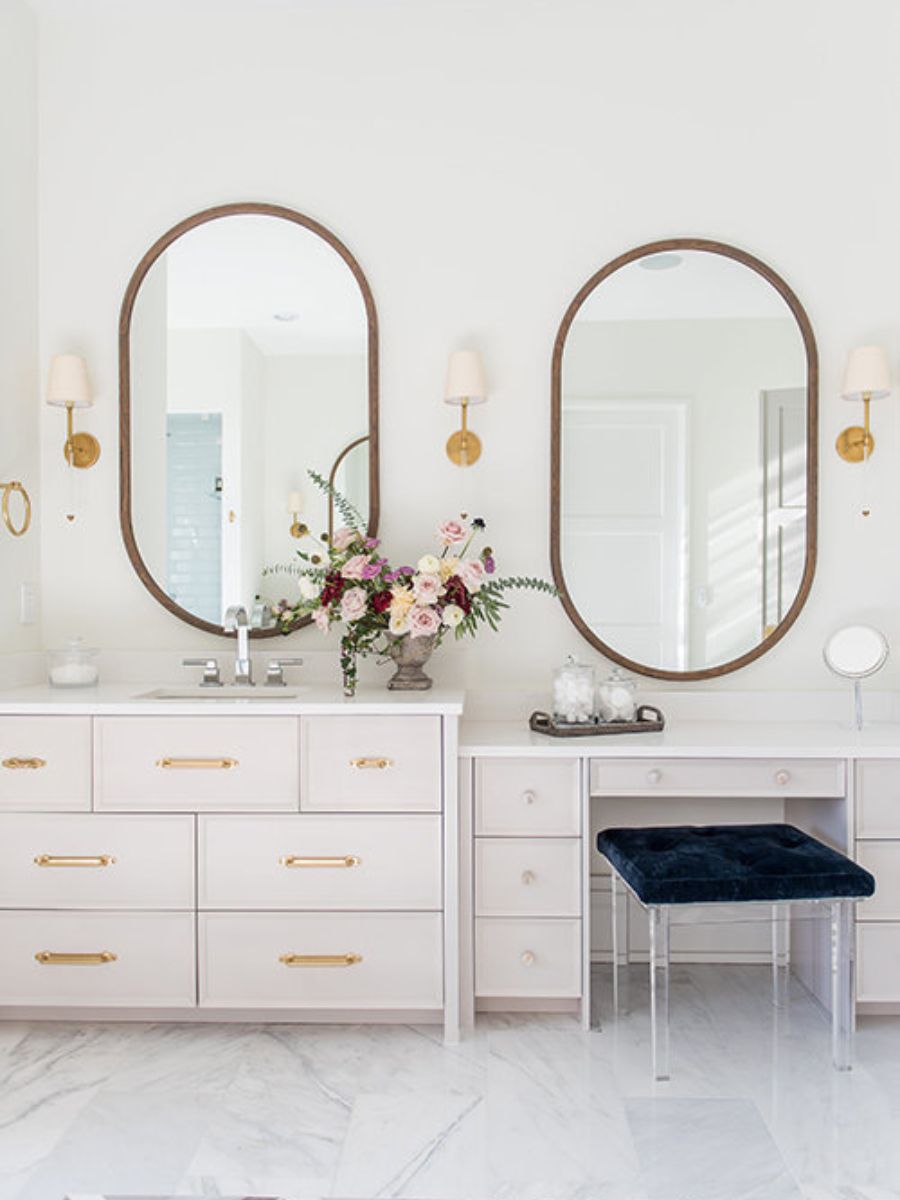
point(812, 418)
point(134, 284)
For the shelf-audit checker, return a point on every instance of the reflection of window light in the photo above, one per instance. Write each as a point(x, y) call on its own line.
point(661, 262)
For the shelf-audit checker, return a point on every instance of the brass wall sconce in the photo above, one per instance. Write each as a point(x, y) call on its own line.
point(68, 387)
point(298, 529)
point(465, 385)
point(867, 378)
point(11, 489)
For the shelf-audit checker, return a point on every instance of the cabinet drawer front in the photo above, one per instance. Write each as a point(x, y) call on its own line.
point(91, 861)
point(717, 777)
point(878, 962)
point(527, 797)
point(170, 764)
point(517, 957)
point(878, 799)
point(340, 960)
point(45, 763)
point(342, 861)
point(528, 877)
point(143, 960)
point(883, 860)
point(371, 764)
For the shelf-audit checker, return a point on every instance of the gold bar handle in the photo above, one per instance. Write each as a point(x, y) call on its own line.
point(197, 764)
point(299, 860)
point(320, 960)
point(371, 764)
point(50, 958)
point(74, 860)
point(24, 764)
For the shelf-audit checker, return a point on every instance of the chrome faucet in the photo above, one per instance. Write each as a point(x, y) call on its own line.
point(237, 621)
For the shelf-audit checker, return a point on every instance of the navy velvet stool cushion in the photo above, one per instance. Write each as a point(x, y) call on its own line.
point(708, 864)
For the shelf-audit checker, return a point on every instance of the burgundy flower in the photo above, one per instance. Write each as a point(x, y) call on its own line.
point(381, 601)
point(334, 587)
point(455, 593)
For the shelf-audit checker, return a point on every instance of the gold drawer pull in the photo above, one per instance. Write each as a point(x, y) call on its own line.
point(299, 860)
point(320, 960)
point(49, 958)
point(24, 764)
point(74, 860)
point(197, 764)
point(371, 764)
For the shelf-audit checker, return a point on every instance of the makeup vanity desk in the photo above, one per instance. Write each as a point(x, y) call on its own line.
point(537, 912)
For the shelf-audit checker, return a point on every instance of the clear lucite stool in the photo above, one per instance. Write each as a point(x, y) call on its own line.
point(673, 871)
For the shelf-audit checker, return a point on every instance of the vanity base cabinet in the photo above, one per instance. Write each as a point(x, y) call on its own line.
point(878, 850)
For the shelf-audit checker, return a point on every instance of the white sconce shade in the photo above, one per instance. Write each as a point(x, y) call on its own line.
point(295, 503)
point(465, 378)
point(867, 374)
point(68, 382)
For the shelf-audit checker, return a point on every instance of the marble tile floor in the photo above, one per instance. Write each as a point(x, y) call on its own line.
point(527, 1108)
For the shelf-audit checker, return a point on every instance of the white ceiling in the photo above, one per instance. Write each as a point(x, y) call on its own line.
point(237, 272)
point(703, 287)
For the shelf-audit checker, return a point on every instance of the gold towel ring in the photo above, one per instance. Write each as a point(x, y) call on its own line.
point(8, 489)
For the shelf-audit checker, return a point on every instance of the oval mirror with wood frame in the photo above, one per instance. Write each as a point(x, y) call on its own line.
point(684, 459)
point(248, 358)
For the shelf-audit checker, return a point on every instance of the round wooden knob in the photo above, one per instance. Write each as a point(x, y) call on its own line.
point(782, 777)
point(528, 958)
point(528, 877)
point(529, 797)
point(654, 776)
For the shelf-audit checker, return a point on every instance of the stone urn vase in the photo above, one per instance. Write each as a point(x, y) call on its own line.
point(410, 654)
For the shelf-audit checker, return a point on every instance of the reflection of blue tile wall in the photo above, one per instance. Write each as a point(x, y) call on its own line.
point(194, 513)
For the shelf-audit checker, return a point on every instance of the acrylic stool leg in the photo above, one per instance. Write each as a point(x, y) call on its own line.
point(843, 932)
point(617, 900)
point(659, 991)
point(781, 953)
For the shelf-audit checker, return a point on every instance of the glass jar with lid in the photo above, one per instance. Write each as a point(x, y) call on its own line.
point(617, 697)
point(573, 693)
point(75, 665)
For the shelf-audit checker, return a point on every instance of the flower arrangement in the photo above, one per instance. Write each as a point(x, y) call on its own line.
point(348, 582)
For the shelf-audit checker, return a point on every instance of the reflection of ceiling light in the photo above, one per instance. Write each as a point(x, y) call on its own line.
point(661, 262)
point(286, 315)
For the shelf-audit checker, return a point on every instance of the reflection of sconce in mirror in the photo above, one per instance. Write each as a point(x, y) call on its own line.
point(465, 385)
point(298, 529)
point(9, 490)
point(867, 378)
point(69, 387)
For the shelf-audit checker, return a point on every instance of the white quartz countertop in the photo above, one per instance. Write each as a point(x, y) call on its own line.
point(135, 699)
point(686, 738)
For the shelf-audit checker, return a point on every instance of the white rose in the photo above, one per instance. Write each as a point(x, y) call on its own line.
point(428, 565)
point(308, 589)
point(453, 616)
point(399, 622)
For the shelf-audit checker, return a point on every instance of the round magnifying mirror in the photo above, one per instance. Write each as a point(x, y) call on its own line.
point(856, 652)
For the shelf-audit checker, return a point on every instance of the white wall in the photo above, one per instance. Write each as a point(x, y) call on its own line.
point(19, 557)
point(481, 159)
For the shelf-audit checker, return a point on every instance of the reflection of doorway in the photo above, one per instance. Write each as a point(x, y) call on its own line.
point(625, 526)
point(194, 513)
point(784, 500)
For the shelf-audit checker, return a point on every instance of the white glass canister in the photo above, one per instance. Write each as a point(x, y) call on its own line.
point(573, 693)
point(617, 697)
point(75, 665)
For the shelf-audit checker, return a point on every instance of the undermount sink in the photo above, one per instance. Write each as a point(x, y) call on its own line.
point(227, 692)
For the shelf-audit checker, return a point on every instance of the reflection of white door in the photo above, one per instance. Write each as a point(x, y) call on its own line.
point(784, 490)
point(624, 534)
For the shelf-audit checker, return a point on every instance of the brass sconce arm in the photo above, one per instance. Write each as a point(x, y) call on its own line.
point(857, 442)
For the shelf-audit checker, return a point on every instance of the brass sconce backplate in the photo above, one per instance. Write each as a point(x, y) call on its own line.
point(81, 450)
point(853, 442)
point(464, 447)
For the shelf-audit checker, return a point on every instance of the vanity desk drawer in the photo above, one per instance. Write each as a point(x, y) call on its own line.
point(321, 960)
point(371, 764)
point(171, 764)
point(45, 763)
point(878, 962)
point(527, 797)
point(516, 958)
point(106, 959)
point(878, 798)
point(883, 860)
point(341, 861)
point(751, 777)
point(89, 861)
point(528, 877)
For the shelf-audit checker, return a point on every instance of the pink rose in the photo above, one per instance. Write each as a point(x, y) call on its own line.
point(423, 622)
point(427, 588)
point(322, 620)
point(344, 537)
point(451, 533)
point(353, 604)
point(472, 574)
point(353, 568)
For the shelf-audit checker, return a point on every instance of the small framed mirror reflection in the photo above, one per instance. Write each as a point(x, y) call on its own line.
point(248, 357)
point(683, 482)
